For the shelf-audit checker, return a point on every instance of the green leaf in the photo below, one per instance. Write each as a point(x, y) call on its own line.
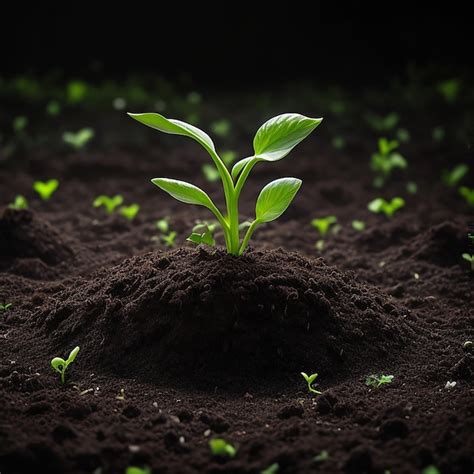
point(78, 139)
point(19, 203)
point(110, 203)
point(204, 238)
point(210, 172)
point(467, 194)
point(358, 225)
point(73, 355)
point(275, 198)
point(272, 469)
point(220, 447)
point(452, 178)
point(58, 363)
point(321, 457)
point(46, 188)
point(163, 225)
point(130, 212)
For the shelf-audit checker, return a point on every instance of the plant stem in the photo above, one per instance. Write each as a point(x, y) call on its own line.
point(249, 233)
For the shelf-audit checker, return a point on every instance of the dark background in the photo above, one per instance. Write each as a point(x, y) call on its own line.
point(326, 42)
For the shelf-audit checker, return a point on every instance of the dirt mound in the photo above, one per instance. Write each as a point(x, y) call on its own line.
point(203, 312)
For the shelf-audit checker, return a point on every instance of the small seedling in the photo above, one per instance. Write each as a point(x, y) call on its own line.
point(129, 212)
point(169, 239)
point(210, 172)
point(272, 469)
point(203, 234)
point(469, 258)
point(321, 457)
point(449, 89)
point(163, 225)
point(19, 203)
point(383, 123)
point(78, 140)
point(228, 157)
point(309, 381)
point(431, 470)
point(273, 141)
point(121, 395)
point(109, 203)
point(220, 447)
point(385, 160)
point(137, 470)
point(221, 128)
point(76, 91)
point(377, 381)
point(323, 224)
point(357, 225)
point(411, 187)
point(20, 123)
point(319, 245)
point(53, 109)
point(45, 189)
point(388, 208)
point(60, 365)
point(5, 307)
point(467, 194)
point(452, 177)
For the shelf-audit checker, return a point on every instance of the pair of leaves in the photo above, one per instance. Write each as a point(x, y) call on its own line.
point(45, 189)
point(60, 365)
point(79, 139)
point(380, 205)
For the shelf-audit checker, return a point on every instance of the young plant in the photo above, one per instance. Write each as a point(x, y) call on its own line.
point(19, 203)
point(357, 225)
point(203, 234)
point(45, 189)
point(169, 239)
point(377, 381)
point(411, 187)
point(60, 365)
point(221, 128)
point(449, 89)
point(163, 225)
point(467, 194)
point(321, 457)
point(5, 307)
point(129, 212)
point(385, 160)
point(452, 177)
point(309, 381)
point(137, 470)
point(469, 258)
point(220, 447)
point(323, 224)
point(272, 469)
point(383, 123)
point(210, 172)
point(109, 203)
point(388, 208)
point(80, 139)
point(272, 142)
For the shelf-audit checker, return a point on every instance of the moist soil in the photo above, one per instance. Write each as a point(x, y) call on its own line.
point(180, 345)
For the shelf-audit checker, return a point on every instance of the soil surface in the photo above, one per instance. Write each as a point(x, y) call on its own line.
point(181, 345)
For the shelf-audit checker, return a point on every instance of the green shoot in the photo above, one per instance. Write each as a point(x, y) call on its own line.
point(76, 91)
point(45, 189)
point(357, 225)
point(469, 258)
point(452, 177)
point(5, 307)
point(273, 141)
point(431, 470)
point(438, 134)
point(467, 194)
point(220, 447)
point(169, 239)
point(203, 234)
point(60, 365)
point(385, 160)
point(228, 157)
point(78, 140)
point(319, 245)
point(53, 109)
point(221, 128)
point(19, 203)
point(109, 203)
point(137, 470)
point(309, 381)
point(411, 187)
point(129, 212)
point(321, 457)
point(272, 469)
point(210, 172)
point(323, 224)
point(383, 123)
point(377, 381)
point(449, 89)
point(20, 123)
point(388, 208)
point(163, 225)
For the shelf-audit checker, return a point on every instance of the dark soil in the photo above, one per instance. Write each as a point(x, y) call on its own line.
point(182, 345)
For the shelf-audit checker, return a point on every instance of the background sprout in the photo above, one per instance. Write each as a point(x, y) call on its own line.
point(385, 160)
point(210, 172)
point(137, 470)
point(129, 212)
point(383, 123)
point(109, 203)
point(438, 134)
point(76, 91)
point(272, 469)
point(377, 381)
point(20, 123)
point(169, 239)
point(452, 177)
point(80, 139)
point(19, 203)
point(321, 457)
point(469, 258)
point(163, 225)
point(45, 189)
point(221, 128)
point(357, 225)
point(203, 234)
point(220, 447)
point(467, 194)
point(272, 142)
point(388, 208)
point(5, 307)
point(60, 365)
point(53, 109)
point(309, 381)
point(411, 187)
point(449, 89)
point(323, 224)
point(431, 470)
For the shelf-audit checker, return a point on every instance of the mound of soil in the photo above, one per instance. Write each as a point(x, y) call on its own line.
point(204, 312)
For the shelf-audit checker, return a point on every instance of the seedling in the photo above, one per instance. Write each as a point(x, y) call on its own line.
point(431, 470)
point(221, 128)
point(319, 245)
point(80, 139)
point(449, 89)
point(377, 381)
point(210, 172)
point(411, 187)
point(45, 189)
point(19, 203)
point(383, 123)
point(272, 142)
point(452, 177)
point(5, 307)
point(129, 212)
point(228, 157)
point(388, 208)
point(220, 447)
point(469, 258)
point(60, 365)
point(321, 457)
point(323, 224)
point(385, 160)
point(137, 470)
point(76, 91)
point(357, 225)
point(163, 225)
point(109, 203)
point(272, 469)
point(203, 234)
point(169, 239)
point(309, 381)
point(467, 194)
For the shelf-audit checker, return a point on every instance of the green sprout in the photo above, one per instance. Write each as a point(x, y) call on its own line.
point(203, 233)
point(272, 142)
point(45, 189)
point(449, 89)
point(383, 123)
point(388, 208)
point(467, 194)
point(452, 177)
point(431, 470)
point(321, 457)
point(129, 212)
point(385, 160)
point(411, 187)
point(377, 381)
point(20, 123)
point(78, 140)
point(220, 447)
point(169, 239)
point(272, 469)
point(309, 381)
point(19, 203)
point(228, 157)
point(357, 225)
point(323, 224)
point(438, 134)
point(469, 258)
point(137, 470)
point(210, 172)
point(221, 128)
point(53, 109)
point(110, 203)
point(163, 225)
point(76, 91)
point(5, 307)
point(60, 365)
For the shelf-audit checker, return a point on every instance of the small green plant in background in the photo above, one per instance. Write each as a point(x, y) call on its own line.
point(169, 239)
point(469, 258)
point(467, 194)
point(60, 365)
point(203, 233)
point(272, 469)
point(358, 225)
point(324, 224)
point(79, 139)
point(377, 381)
point(76, 91)
point(403, 135)
point(452, 177)
point(228, 157)
point(273, 141)
point(109, 203)
point(321, 457)
point(163, 224)
point(411, 187)
point(194, 98)
point(53, 108)
point(210, 172)
point(310, 381)
point(137, 470)
point(383, 123)
point(20, 123)
point(380, 205)
point(45, 189)
point(5, 307)
point(220, 447)
point(431, 470)
point(221, 128)
point(129, 212)
point(449, 90)
point(19, 203)
point(385, 160)
point(438, 134)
